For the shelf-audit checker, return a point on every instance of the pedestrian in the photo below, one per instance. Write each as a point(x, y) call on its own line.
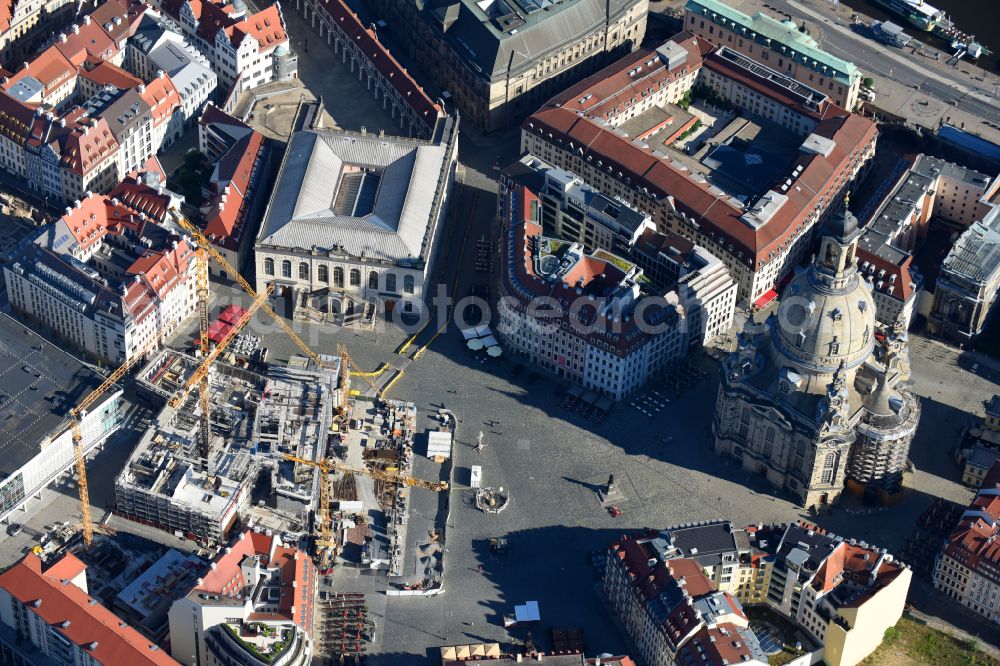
point(480, 568)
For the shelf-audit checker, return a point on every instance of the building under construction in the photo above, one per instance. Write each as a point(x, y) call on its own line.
point(256, 417)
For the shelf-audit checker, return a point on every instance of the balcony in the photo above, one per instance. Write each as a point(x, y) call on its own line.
point(257, 643)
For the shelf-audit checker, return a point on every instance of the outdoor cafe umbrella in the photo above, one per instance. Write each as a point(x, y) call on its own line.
point(494, 351)
point(475, 344)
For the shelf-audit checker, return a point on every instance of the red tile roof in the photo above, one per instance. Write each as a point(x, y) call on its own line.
point(51, 68)
point(128, 14)
point(141, 198)
point(975, 540)
point(295, 569)
point(87, 222)
point(16, 118)
point(720, 645)
point(69, 611)
point(6, 14)
point(597, 277)
point(107, 73)
point(902, 287)
point(609, 92)
point(265, 26)
point(85, 40)
point(380, 57)
point(235, 171)
point(162, 97)
point(570, 122)
point(88, 145)
point(163, 269)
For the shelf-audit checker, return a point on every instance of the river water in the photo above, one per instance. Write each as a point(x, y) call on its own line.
point(978, 17)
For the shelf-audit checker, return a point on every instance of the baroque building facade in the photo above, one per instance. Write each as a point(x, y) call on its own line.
point(815, 400)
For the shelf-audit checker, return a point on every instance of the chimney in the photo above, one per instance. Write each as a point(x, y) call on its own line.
point(76, 29)
point(160, 74)
point(62, 37)
point(86, 19)
point(142, 88)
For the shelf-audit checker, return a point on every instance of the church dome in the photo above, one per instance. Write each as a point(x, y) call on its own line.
point(821, 324)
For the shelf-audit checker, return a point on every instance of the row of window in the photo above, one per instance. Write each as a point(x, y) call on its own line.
point(354, 275)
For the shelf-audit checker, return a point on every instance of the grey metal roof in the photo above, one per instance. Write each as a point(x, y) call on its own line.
point(490, 42)
point(39, 384)
point(705, 542)
point(26, 88)
point(976, 254)
point(301, 214)
point(123, 110)
point(185, 70)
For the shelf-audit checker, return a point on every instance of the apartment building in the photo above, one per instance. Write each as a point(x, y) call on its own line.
point(245, 51)
point(843, 594)
point(48, 616)
point(105, 279)
point(609, 329)
point(27, 24)
point(925, 188)
point(499, 59)
point(242, 160)
point(760, 233)
point(777, 44)
point(575, 211)
point(253, 606)
point(671, 611)
point(968, 567)
point(155, 47)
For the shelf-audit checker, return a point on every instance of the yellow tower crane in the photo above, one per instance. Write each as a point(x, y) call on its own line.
point(205, 427)
point(203, 242)
point(200, 375)
point(76, 424)
point(326, 490)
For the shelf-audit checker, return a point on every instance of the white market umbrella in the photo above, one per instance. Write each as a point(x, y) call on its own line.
point(494, 351)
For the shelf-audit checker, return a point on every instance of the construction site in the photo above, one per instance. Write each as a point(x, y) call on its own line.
point(256, 419)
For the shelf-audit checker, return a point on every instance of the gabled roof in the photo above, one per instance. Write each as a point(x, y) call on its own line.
point(162, 269)
point(51, 69)
point(118, 18)
point(162, 97)
point(265, 26)
point(141, 198)
point(16, 118)
point(85, 40)
point(975, 540)
point(88, 145)
point(213, 115)
point(107, 73)
point(72, 613)
point(232, 180)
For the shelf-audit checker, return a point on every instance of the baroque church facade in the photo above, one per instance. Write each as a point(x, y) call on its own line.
point(815, 399)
